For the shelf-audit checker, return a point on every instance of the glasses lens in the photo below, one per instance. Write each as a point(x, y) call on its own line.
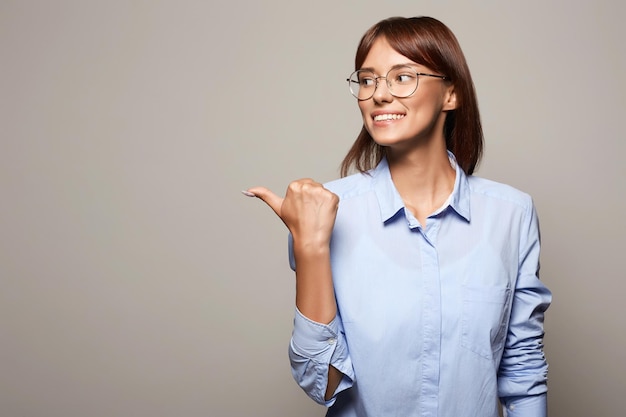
point(362, 84)
point(402, 81)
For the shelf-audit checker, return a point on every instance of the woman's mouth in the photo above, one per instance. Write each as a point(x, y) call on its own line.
point(387, 116)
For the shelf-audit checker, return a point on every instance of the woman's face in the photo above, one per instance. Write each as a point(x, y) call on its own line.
point(403, 123)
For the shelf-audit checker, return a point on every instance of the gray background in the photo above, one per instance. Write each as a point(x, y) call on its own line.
point(135, 279)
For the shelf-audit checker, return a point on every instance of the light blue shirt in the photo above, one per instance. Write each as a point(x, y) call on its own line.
point(435, 321)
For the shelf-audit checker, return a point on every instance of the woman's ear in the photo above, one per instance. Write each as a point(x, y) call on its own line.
point(450, 99)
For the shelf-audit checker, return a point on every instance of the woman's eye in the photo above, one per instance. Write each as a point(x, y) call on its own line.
point(404, 78)
point(366, 82)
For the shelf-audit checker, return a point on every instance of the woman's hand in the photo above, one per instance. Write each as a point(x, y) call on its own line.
point(308, 210)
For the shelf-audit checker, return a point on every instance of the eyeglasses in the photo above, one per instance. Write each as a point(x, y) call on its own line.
point(401, 82)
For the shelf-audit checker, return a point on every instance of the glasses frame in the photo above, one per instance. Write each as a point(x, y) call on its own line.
point(378, 77)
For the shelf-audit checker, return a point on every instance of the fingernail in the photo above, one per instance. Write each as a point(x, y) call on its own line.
point(248, 193)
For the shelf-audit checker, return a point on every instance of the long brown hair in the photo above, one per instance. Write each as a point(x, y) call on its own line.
point(428, 42)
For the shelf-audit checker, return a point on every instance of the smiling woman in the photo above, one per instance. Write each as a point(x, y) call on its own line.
point(417, 289)
point(136, 281)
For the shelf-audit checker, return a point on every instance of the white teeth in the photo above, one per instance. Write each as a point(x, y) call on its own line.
point(381, 117)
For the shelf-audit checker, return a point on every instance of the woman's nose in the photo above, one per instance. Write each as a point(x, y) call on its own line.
point(382, 93)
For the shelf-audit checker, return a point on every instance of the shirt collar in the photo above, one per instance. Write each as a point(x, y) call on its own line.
point(391, 203)
point(389, 199)
point(460, 200)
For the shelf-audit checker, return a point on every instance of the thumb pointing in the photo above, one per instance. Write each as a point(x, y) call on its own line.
point(275, 202)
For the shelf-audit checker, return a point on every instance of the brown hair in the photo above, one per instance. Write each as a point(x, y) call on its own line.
point(428, 42)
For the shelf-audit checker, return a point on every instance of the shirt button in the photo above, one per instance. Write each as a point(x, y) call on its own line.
point(331, 341)
point(511, 407)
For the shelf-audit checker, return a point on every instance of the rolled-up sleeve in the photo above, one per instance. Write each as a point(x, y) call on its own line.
point(523, 373)
point(313, 347)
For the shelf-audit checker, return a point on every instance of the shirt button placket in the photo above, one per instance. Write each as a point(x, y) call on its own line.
point(432, 325)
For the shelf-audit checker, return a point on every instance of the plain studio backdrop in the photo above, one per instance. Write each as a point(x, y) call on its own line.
point(136, 280)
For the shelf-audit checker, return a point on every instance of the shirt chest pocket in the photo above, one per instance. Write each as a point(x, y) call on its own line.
point(485, 313)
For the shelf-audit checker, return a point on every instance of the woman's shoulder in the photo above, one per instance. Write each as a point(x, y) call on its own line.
point(351, 185)
point(499, 191)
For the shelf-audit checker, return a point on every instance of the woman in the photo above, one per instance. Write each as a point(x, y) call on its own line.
point(417, 290)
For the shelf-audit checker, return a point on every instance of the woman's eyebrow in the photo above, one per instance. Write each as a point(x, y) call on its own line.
point(408, 64)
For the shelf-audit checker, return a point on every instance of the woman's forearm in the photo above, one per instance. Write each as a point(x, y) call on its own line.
point(315, 296)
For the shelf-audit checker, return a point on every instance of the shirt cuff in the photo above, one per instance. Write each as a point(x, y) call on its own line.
point(313, 339)
point(530, 406)
point(324, 345)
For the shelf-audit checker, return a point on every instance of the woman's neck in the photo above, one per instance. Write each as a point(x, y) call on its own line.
point(424, 178)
